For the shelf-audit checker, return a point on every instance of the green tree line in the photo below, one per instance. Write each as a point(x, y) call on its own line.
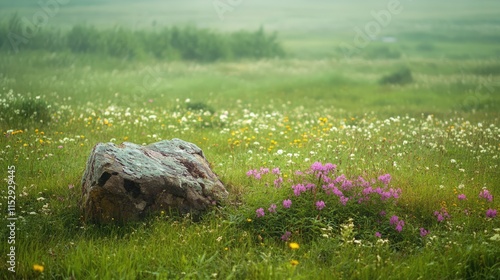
point(169, 43)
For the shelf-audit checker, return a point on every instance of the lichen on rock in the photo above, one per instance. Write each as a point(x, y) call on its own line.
point(127, 181)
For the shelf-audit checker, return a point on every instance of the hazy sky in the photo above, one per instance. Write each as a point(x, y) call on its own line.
point(291, 15)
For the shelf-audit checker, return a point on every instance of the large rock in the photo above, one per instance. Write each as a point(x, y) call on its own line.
point(127, 181)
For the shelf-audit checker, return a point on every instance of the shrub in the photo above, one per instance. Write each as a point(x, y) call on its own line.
point(199, 44)
point(84, 39)
point(382, 52)
point(255, 45)
point(399, 77)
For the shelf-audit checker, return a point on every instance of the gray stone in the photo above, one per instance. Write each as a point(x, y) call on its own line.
point(127, 181)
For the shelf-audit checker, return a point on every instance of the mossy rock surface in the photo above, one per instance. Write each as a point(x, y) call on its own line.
point(127, 181)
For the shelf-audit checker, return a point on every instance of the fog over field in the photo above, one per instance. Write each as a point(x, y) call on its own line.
point(308, 28)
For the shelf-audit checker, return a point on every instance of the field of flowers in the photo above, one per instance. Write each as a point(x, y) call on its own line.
point(329, 177)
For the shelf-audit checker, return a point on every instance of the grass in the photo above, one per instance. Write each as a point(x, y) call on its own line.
point(434, 148)
point(437, 137)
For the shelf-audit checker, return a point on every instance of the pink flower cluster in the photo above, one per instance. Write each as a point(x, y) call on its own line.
point(399, 224)
point(441, 215)
point(486, 195)
point(257, 174)
point(491, 213)
point(260, 212)
point(346, 190)
point(320, 205)
point(423, 232)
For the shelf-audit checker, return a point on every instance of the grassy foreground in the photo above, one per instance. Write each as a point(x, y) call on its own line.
point(413, 193)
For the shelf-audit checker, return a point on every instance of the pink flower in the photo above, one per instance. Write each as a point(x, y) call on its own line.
point(272, 208)
point(400, 225)
point(277, 182)
point(298, 189)
point(440, 217)
point(491, 213)
point(397, 222)
point(462, 197)
point(287, 203)
point(276, 171)
point(330, 167)
point(264, 170)
point(423, 232)
point(486, 195)
point(386, 178)
point(317, 166)
point(378, 234)
point(394, 220)
point(286, 236)
point(320, 205)
point(344, 200)
point(260, 212)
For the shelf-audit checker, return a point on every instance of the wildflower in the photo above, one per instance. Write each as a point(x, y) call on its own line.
point(491, 213)
point(276, 171)
point(320, 205)
point(286, 236)
point(439, 216)
point(394, 220)
point(378, 234)
point(38, 268)
point(462, 197)
point(344, 200)
point(486, 195)
point(294, 262)
point(400, 225)
point(287, 203)
point(298, 189)
point(249, 220)
point(423, 232)
point(277, 182)
point(70, 186)
point(294, 245)
point(386, 178)
point(317, 166)
point(272, 208)
point(260, 212)
point(264, 170)
point(330, 167)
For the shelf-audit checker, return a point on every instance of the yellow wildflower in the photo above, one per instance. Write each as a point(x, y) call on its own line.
point(38, 268)
point(294, 245)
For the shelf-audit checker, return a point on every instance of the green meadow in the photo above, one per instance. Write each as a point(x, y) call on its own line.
point(345, 155)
